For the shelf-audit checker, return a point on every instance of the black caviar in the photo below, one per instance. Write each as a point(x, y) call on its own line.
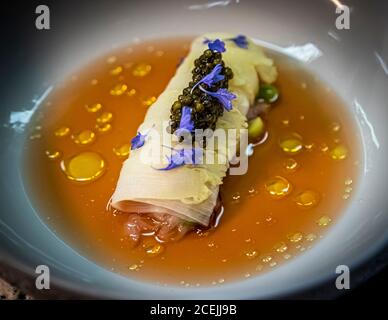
point(205, 109)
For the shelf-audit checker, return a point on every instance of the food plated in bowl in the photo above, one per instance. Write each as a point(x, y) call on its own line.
point(309, 167)
point(140, 218)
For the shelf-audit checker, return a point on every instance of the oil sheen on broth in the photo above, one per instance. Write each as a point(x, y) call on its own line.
point(298, 182)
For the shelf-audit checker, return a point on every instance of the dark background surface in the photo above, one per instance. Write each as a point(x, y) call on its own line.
point(20, 49)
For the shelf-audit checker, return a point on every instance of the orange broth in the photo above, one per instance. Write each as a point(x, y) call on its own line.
point(258, 231)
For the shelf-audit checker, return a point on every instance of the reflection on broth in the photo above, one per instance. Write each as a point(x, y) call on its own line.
point(300, 177)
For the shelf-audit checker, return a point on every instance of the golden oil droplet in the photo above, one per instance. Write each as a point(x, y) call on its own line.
point(236, 196)
point(103, 127)
point(252, 191)
point(287, 256)
point(111, 59)
point(348, 182)
point(324, 147)
point(340, 152)
point(116, 71)
point(335, 127)
point(86, 166)
point(307, 199)
point(266, 259)
point(251, 254)
point(35, 136)
point(311, 237)
point(134, 267)
point(154, 250)
point(278, 187)
point(141, 70)
point(53, 154)
point(122, 151)
point(309, 146)
point(220, 281)
point(118, 89)
point(303, 85)
point(211, 244)
point(291, 144)
point(149, 102)
point(105, 117)
point(131, 92)
point(286, 122)
point(94, 82)
point(295, 237)
point(291, 164)
point(62, 132)
point(281, 247)
point(259, 267)
point(269, 219)
point(273, 264)
point(346, 196)
point(84, 137)
point(159, 53)
point(323, 221)
point(93, 107)
point(348, 189)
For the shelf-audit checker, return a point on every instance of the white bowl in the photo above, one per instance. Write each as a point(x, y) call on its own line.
point(353, 61)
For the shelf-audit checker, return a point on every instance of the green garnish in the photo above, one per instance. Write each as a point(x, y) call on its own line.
point(268, 93)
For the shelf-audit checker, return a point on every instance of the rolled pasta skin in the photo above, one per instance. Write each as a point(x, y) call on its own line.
point(190, 192)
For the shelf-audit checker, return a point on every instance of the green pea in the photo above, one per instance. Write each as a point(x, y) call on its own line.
point(269, 93)
point(255, 128)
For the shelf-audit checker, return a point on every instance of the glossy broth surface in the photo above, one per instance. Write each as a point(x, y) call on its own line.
point(299, 179)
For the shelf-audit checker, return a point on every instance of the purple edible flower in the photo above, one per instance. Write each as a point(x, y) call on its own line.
point(183, 156)
point(138, 141)
point(216, 45)
point(186, 123)
point(241, 41)
point(223, 95)
point(211, 78)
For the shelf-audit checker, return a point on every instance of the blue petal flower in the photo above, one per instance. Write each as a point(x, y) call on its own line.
point(212, 77)
point(223, 95)
point(186, 123)
point(241, 41)
point(216, 45)
point(183, 156)
point(138, 141)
